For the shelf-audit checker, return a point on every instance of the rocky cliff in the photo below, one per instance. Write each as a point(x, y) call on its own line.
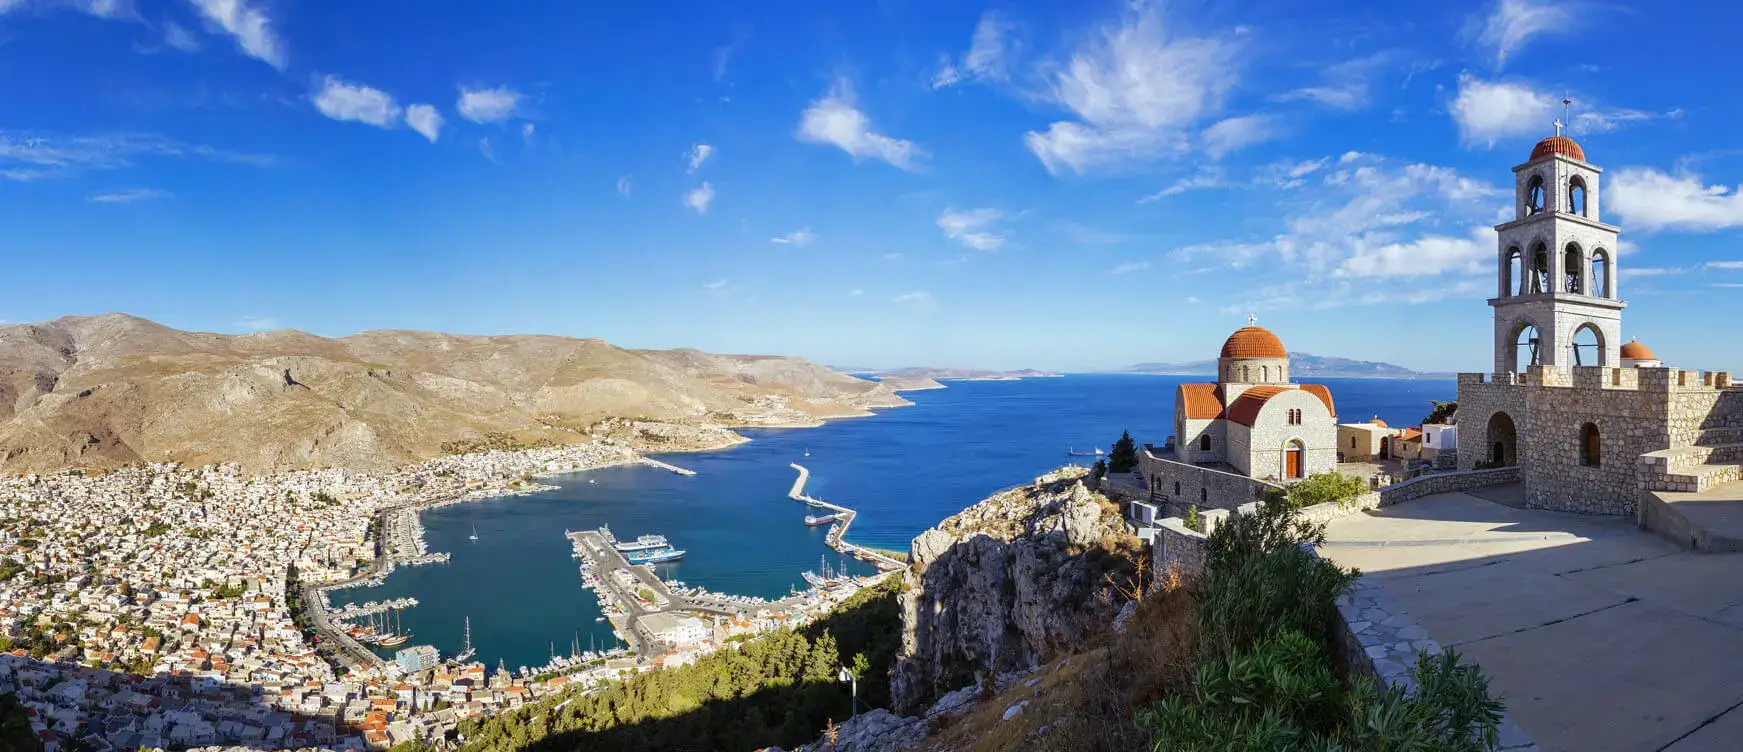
point(103, 391)
point(1008, 584)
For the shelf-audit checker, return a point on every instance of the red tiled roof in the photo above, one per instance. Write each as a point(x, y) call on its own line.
point(1253, 342)
point(1201, 401)
point(1558, 145)
point(1637, 351)
point(1245, 408)
point(1323, 392)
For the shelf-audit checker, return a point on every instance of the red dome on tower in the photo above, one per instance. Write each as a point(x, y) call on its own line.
point(1637, 351)
point(1253, 342)
point(1558, 145)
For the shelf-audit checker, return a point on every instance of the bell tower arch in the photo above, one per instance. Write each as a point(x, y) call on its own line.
point(1556, 270)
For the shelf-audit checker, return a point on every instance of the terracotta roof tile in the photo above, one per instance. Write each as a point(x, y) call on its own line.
point(1323, 392)
point(1558, 145)
point(1201, 401)
point(1253, 342)
point(1245, 408)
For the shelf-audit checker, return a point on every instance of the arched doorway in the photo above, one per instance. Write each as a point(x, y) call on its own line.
point(1503, 441)
point(1293, 459)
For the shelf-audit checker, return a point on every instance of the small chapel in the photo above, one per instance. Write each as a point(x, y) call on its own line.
point(1251, 427)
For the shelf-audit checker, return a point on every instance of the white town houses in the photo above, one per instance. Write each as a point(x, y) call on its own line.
point(1252, 429)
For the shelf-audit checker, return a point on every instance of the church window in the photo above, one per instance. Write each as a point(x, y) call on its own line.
point(1590, 445)
point(1576, 196)
point(1573, 267)
point(1264, 373)
point(1176, 488)
point(1540, 269)
point(1534, 196)
point(1352, 442)
point(1203, 496)
point(1600, 282)
point(1204, 443)
point(1514, 282)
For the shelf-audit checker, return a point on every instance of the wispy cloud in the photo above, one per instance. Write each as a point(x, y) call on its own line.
point(178, 36)
point(1128, 267)
point(1491, 111)
point(893, 257)
point(719, 284)
point(249, 25)
point(988, 57)
point(1649, 271)
point(699, 154)
point(1236, 133)
point(1081, 234)
point(796, 237)
point(918, 297)
point(623, 186)
point(1652, 200)
point(129, 196)
point(488, 105)
point(971, 228)
point(700, 197)
point(1207, 176)
point(1344, 86)
point(355, 102)
point(256, 323)
point(487, 150)
point(1727, 265)
point(526, 133)
point(26, 155)
point(424, 119)
point(1133, 89)
point(835, 119)
point(1513, 23)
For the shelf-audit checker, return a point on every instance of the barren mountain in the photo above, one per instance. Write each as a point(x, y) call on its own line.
point(103, 391)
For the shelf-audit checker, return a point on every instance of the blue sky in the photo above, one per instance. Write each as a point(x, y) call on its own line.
point(1058, 185)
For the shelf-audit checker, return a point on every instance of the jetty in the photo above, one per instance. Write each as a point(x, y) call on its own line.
point(838, 530)
point(651, 462)
point(372, 607)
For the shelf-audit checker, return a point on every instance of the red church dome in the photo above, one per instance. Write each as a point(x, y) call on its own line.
point(1558, 145)
point(1253, 342)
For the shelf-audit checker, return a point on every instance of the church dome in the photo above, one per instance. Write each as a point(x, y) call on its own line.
point(1558, 145)
point(1253, 342)
point(1637, 351)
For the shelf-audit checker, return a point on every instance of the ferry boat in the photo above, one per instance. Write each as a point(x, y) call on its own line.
point(653, 556)
point(644, 543)
point(1070, 452)
point(815, 519)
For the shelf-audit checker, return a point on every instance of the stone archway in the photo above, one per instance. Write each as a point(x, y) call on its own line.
point(1503, 441)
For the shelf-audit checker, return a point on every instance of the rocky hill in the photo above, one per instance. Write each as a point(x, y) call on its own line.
point(103, 391)
point(1301, 365)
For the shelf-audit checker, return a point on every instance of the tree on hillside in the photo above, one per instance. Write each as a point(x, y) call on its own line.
point(1124, 455)
point(1443, 412)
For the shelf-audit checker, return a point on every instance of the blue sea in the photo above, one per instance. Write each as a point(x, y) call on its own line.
point(903, 470)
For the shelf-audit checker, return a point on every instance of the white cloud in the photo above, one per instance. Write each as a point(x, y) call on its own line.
point(129, 196)
point(485, 149)
point(700, 197)
point(917, 297)
point(27, 155)
point(1207, 176)
point(716, 284)
point(1648, 271)
point(424, 119)
point(699, 154)
point(796, 237)
point(623, 186)
point(1490, 111)
point(1133, 89)
point(177, 36)
point(1515, 22)
point(1651, 200)
point(526, 132)
point(342, 101)
point(1127, 267)
point(834, 119)
point(988, 54)
point(249, 25)
point(488, 105)
point(971, 228)
point(1421, 257)
point(1606, 121)
point(1293, 174)
point(893, 257)
point(1727, 265)
point(1191, 300)
point(1237, 132)
point(1344, 86)
point(256, 323)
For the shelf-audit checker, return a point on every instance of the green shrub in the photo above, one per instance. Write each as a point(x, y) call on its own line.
point(1323, 488)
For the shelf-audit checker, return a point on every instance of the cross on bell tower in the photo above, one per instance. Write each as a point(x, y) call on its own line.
point(1556, 303)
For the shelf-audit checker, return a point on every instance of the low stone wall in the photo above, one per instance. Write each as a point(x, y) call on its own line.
point(1177, 486)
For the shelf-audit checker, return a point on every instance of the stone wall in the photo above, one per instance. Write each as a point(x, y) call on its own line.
point(1203, 487)
point(1187, 440)
point(1264, 443)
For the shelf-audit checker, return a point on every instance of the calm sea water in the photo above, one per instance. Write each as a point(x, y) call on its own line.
point(903, 470)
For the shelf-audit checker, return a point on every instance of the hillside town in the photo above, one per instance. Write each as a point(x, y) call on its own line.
point(157, 606)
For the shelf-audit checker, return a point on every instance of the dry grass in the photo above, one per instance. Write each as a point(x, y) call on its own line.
point(1084, 702)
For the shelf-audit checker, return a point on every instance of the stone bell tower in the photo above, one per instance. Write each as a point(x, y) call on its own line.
point(1556, 301)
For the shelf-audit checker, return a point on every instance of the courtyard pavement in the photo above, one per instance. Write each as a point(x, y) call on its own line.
point(1599, 636)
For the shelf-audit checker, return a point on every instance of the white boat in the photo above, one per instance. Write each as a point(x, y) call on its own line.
point(644, 543)
point(474, 535)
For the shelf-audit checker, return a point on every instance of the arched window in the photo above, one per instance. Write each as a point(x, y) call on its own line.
point(1588, 346)
point(1540, 269)
point(1576, 196)
point(1352, 442)
point(1600, 283)
point(1246, 373)
point(1176, 488)
point(1264, 373)
point(1513, 281)
point(1590, 445)
point(1534, 196)
point(1574, 269)
point(1203, 496)
point(1204, 443)
point(1526, 349)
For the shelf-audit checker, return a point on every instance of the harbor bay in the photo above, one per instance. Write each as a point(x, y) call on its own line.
point(900, 471)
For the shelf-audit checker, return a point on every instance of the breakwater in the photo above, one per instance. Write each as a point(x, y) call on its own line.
point(836, 537)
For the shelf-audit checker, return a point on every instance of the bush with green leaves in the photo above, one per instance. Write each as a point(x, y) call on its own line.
point(1323, 488)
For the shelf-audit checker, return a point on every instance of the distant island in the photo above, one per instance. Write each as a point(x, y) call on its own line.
point(1301, 365)
point(925, 373)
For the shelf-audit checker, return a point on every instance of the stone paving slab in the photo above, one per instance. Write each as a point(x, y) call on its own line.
point(1696, 584)
point(1722, 735)
point(1626, 679)
point(1463, 605)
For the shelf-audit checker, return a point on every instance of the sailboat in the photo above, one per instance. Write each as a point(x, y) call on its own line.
point(807, 451)
point(467, 650)
point(396, 638)
point(474, 535)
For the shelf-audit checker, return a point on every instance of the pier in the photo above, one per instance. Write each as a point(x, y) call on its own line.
point(838, 529)
point(651, 462)
point(373, 607)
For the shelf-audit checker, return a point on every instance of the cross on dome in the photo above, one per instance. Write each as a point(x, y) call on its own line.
point(1252, 320)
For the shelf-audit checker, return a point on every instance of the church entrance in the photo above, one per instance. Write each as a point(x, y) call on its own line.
point(1503, 441)
point(1292, 460)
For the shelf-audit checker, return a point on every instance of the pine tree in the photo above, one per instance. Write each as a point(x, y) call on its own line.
point(1124, 456)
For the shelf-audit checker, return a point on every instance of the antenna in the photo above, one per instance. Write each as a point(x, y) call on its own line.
point(1565, 119)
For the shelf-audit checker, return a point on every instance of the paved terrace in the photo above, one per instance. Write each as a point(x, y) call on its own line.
point(1598, 635)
